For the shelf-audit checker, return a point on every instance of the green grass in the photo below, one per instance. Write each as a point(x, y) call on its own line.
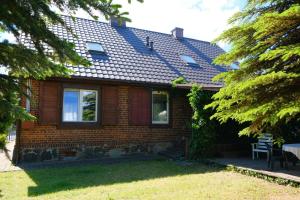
point(139, 180)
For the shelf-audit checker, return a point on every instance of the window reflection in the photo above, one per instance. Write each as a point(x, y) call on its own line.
point(79, 105)
point(160, 108)
point(89, 106)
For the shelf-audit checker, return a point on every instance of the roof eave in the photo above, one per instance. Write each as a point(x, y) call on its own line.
point(208, 87)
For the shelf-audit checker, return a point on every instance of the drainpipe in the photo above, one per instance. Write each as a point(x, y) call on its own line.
point(187, 147)
point(16, 153)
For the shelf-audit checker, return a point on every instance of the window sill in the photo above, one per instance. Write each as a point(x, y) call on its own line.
point(79, 125)
point(160, 125)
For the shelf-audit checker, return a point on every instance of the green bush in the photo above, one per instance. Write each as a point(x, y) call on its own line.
point(4, 127)
point(2, 141)
point(207, 132)
point(203, 129)
point(179, 80)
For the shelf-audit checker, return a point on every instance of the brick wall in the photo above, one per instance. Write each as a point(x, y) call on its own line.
point(51, 142)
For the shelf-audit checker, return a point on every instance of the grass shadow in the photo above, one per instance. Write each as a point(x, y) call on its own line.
point(53, 180)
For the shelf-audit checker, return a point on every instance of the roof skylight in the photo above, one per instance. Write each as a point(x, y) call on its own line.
point(94, 47)
point(234, 66)
point(188, 60)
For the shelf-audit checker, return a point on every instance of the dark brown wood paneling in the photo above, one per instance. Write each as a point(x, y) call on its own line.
point(138, 106)
point(49, 103)
point(110, 105)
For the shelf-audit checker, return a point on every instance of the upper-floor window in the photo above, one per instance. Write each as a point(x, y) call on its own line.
point(160, 107)
point(80, 105)
point(95, 47)
point(188, 60)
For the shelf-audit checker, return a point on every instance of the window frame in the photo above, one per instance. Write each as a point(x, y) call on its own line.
point(77, 124)
point(161, 123)
point(80, 104)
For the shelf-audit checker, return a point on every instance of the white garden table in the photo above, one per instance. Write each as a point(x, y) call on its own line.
point(293, 148)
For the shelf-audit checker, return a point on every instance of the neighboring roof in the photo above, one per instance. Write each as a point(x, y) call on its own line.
point(128, 59)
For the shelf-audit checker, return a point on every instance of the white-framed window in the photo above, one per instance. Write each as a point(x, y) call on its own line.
point(160, 107)
point(28, 93)
point(80, 105)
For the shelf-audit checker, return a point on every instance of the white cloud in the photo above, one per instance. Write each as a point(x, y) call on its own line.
point(200, 19)
point(3, 70)
point(8, 36)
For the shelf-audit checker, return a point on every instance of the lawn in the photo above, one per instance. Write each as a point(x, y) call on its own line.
point(139, 180)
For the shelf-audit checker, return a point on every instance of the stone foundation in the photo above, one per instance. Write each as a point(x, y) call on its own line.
point(90, 152)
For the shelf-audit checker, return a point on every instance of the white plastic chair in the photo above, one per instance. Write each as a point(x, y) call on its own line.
point(260, 146)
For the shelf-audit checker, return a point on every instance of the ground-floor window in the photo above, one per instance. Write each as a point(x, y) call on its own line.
point(80, 105)
point(160, 107)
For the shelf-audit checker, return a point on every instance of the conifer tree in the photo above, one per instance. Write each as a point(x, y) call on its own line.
point(265, 91)
point(33, 17)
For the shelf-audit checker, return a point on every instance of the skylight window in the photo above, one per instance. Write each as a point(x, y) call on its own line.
point(188, 60)
point(95, 47)
point(234, 66)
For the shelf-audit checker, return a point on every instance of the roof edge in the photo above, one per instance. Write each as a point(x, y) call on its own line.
point(209, 87)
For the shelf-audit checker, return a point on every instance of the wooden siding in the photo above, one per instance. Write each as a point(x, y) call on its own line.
point(49, 103)
point(110, 105)
point(139, 106)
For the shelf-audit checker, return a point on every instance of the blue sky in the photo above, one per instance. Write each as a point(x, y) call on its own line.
point(200, 19)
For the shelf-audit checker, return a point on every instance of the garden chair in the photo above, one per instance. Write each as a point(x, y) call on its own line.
point(260, 146)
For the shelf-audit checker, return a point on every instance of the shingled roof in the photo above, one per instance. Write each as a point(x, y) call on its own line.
point(127, 57)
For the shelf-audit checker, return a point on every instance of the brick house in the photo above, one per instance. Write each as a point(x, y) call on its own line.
point(124, 103)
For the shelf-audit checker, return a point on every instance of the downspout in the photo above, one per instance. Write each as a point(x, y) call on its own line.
point(16, 153)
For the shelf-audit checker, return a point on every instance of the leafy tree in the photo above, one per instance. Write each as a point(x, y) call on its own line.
point(33, 17)
point(265, 90)
point(179, 80)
